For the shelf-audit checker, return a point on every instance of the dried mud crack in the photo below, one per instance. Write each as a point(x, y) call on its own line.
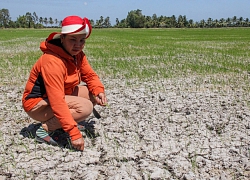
point(168, 129)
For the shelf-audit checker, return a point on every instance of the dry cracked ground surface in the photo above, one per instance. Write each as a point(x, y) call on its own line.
point(187, 128)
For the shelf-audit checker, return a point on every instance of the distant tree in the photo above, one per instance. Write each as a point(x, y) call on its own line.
point(234, 19)
point(202, 23)
point(117, 22)
point(51, 22)
point(191, 23)
point(222, 22)
point(106, 22)
point(161, 20)
point(97, 24)
point(209, 22)
point(35, 18)
point(155, 22)
point(180, 22)
point(240, 22)
point(4, 18)
point(196, 24)
point(45, 20)
point(101, 21)
point(41, 20)
point(216, 23)
point(173, 21)
point(29, 20)
point(21, 22)
point(185, 21)
point(123, 24)
point(56, 21)
point(246, 22)
point(92, 22)
point(135, 19)
point(12, 24)
point(228, 21)
point(167, 22)
point(148, 22)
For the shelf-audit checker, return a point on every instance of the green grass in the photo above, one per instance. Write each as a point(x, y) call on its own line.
point(138, 53)
point(166, 53)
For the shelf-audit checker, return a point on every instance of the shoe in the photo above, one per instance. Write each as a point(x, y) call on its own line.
point(43, 136)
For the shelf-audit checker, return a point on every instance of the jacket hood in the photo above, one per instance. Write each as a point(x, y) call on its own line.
point(54, 47)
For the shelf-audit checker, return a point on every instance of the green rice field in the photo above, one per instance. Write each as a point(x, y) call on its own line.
point(137, 53)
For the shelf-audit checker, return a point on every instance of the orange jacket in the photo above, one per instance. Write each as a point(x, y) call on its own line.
point(54, 75)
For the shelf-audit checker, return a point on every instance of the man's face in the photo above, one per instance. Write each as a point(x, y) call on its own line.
point(74, 43)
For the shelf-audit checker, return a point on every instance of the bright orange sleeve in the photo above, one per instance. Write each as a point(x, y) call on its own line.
point(89, 76)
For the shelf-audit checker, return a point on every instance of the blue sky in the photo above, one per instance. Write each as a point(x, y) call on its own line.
point(93, 9)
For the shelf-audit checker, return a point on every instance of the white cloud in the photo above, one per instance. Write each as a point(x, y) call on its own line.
point(85, 3)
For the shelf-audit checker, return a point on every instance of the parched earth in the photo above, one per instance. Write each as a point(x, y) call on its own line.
point(188, 128)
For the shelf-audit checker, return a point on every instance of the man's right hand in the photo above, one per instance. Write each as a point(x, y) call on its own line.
point(78, 144)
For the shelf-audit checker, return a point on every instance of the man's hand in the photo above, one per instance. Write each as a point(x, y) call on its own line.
point(78, 144)
point(101, 99)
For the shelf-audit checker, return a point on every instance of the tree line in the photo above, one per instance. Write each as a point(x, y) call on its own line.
point(134, 19)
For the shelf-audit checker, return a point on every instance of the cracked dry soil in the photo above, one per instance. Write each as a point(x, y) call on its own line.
point(168, 129)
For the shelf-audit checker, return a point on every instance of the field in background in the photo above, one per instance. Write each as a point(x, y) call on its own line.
point(137, 53)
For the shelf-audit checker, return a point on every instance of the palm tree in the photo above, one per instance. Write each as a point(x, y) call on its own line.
point(241, 21)
point(180, 22)
point(35, 18)
point(228, 21)
point(185, 22)
point(107, 22)
point(41, 20)
point(97, 23)
point(56, 21)
point(117, 22)
point(191, 23)
point(29, 19)
point(209, 22)
point(222, 21)
point(173, 21)
point(101, 21)
point(215, 23)
point(51, 21)
point(202, 23)
point(92, 22)
point(45, 20)
point(247, 22)
point(155, 21)
point(234, 20)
